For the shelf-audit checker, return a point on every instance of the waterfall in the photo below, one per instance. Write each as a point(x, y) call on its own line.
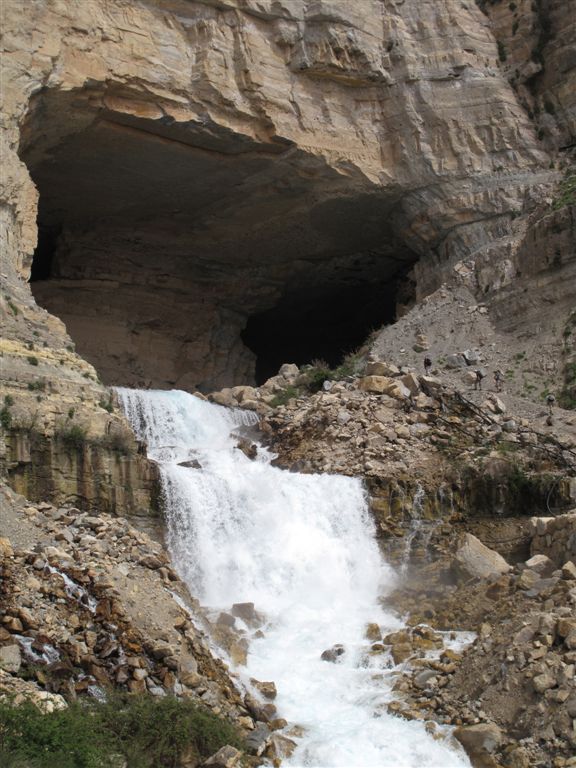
point(302, 548)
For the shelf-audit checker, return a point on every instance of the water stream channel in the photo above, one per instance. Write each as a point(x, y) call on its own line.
point(302, 549)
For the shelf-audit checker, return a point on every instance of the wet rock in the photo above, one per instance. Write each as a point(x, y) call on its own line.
point(248, 614)
point(226, 620)
point(279, 748)
point(267, 689)
point(373, 632)
point(190, 464)
point(258, 739)
point(249, 449)
point(332, 654)
point(474, 560)
point(479, 740)
point(425, 679)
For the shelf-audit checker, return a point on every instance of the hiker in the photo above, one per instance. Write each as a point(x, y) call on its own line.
point(479, 376)
point(498, 379)
point(427, 365)
point(550, 400)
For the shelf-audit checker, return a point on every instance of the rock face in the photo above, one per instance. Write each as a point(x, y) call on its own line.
point(207, 167)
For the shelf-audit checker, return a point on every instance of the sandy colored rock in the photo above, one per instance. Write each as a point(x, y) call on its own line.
point(474, 560)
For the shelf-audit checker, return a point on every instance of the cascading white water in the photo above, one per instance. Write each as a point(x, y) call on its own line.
point(302, 548)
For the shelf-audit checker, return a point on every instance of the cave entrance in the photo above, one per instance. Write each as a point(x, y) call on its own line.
point(323, 324)
point(186, 255)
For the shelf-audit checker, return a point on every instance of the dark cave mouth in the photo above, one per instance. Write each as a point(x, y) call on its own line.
point(325, 327)
point(176, 267)
point(304, 326)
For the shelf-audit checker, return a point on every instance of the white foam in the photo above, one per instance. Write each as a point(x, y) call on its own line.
point(302, 548)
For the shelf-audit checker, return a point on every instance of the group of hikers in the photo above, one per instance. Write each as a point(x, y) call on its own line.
point(498, 381)
point(480, 375)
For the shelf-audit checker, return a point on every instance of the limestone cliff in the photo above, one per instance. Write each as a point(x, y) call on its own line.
point(219, 179)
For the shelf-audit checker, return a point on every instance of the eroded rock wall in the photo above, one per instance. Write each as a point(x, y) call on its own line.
point(199, 162)
point(240, 149)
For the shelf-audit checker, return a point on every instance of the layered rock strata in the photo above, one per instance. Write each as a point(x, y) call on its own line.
point(198, 163)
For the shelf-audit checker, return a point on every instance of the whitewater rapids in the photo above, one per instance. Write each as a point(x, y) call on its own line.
point(302, 548)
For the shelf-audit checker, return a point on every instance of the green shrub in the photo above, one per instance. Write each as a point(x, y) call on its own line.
point(37, 386)
point(502, 55)
point(72, 435)
point(32, 360)
point(8, 400)
point(5, 417)
point(284, 396)
point(566, 191)
point(64, 738)
point(107, 406)
point(144, 731)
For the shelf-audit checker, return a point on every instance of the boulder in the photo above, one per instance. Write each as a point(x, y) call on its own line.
point(373, 632)
point(569, 571)
point(527, 579)
point(289, 371)
point(5, 548)
point(258, 739)
point(267, 689)
point(378, 368)
point(474, 560)
point(10, 658)
point(245, 611)
point(479, 740)
point(496, 405)
point(383, 385)
point(332, 654)
point(224, 397)
point(455, 361)
point(471, 356)
point(226, 757)
point(279, 747)
point(411, 382)
point(541, 565)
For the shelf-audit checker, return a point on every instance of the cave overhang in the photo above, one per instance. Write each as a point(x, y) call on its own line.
point(183, 253)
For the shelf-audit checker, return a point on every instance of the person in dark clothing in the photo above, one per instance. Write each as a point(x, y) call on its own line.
point(479, 376)
point(427, 365)
point(550, 400)
point(498, 379)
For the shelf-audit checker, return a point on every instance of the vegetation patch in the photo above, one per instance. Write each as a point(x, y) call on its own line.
point(566, 191)
point(283, 397)
point(72, 435)
point(136, 731)
point(5, 413)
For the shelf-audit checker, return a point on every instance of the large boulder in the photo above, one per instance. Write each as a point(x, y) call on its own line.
point(475, 560)
point(384, 385)
point(226, 757)
point(10, 658)
point(379, 368)
point(479, 741)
